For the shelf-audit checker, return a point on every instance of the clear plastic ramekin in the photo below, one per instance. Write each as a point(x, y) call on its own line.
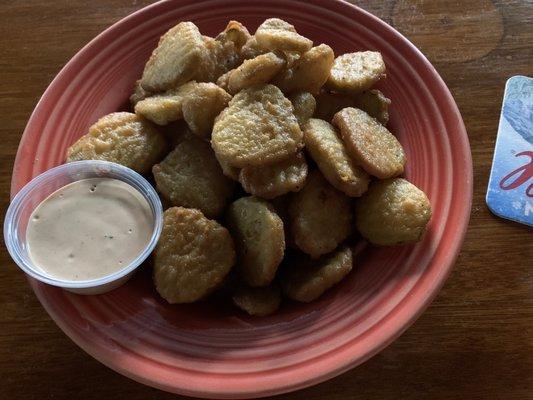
point(42, 186)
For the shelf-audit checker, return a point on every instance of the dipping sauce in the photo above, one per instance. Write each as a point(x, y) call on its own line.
point(89, 229)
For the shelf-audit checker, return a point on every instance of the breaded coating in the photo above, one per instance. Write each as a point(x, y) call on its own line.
point(190, 176)
point(201, 107)
point(355, 72)
point(370, 144)
point(234, 32)
point(392, 212)
point(306, 280)
point(138, 93)
point(176, 58)
point(123, 138)
point(258, 301)
point(321, 216)
point(223, 80)
point(226, 55)
point(257, 128)
point(220, 57)
point(325, 146)
point(192, 257)
point(291, 57)
point(373, 102)
point(257, 71)
point(304, 105)
point(165, 107)
point(309, 72)
point(273, 180)
point(251, 49)
point(259, 239)
point(276, 34)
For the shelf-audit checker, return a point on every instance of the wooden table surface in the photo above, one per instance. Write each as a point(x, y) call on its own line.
point(474, 342)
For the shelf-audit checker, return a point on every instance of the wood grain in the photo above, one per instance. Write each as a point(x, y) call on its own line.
point(474, 342)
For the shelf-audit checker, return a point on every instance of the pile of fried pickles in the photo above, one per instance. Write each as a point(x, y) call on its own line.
point(272, 158)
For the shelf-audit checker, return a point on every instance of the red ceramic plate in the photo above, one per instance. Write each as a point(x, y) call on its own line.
point(213, 350)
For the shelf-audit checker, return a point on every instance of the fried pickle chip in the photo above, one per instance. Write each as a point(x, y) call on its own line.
point(373, 102)
point(273, 180)
point(258, 301)
point(257, 128)
point(370, 144)
point(165, 107)
point(325, 146)
point(392, 212)
point(306, 280)
point(259, 239)
point(223, 80)
point(138, 93)
point(276, 34)
point(192, 257)
point(190, 176)
point(123, 138)
point(251, 49)
point(304, 105)
point(234, 32)
point(309, 72)
point(201, 107)
point(321, 216)
point(176, 58)
point(355, 72)
point(256, 71)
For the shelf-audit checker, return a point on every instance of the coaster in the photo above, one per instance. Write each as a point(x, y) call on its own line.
point(510, 190)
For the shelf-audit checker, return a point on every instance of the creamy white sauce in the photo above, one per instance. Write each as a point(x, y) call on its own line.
point(89, 229)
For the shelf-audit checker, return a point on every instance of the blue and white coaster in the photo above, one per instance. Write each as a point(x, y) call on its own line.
point(510, 191)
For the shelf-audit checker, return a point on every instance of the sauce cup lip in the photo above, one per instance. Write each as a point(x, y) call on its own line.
point(12, 220)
